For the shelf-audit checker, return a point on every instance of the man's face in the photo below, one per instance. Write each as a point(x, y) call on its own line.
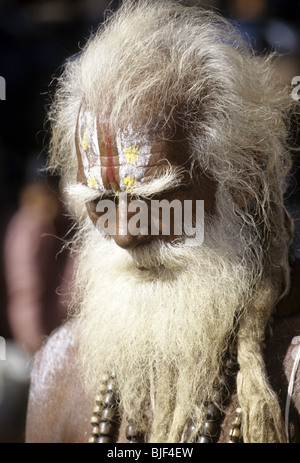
point(126, 166)
point(163, 309)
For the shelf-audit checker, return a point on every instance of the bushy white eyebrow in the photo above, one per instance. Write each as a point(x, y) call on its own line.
point(83, 193)
point(171, 179)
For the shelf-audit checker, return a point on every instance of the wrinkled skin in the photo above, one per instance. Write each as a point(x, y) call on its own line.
point(108, 171)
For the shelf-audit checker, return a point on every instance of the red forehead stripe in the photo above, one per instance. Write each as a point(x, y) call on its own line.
point(110, 174)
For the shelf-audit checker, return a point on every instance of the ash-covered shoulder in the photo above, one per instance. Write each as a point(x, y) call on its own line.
point(292, 361)
point(53, 381)
point(53, 359)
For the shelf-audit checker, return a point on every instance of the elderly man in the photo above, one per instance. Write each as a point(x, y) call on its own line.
point(175, 335)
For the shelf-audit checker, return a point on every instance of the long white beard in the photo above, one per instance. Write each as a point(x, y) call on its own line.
point(163, 329)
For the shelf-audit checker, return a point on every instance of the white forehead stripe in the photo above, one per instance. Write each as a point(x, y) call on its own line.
point(134, 155)
point(90, 151)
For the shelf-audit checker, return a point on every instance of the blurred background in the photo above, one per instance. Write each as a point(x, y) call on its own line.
point(35, 39)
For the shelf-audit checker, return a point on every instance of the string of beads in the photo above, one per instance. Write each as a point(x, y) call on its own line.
point(223, 390)
point(106, 418)
point(133, 435)
point(235, 431)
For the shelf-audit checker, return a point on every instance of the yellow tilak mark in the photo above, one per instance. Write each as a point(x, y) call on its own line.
point(84, 141)
point(129, 182)
point(92, 182)
point(132, 153)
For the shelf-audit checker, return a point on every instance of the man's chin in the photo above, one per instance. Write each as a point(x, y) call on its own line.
point(151, 270)
point(156, 257)
point(154, 267)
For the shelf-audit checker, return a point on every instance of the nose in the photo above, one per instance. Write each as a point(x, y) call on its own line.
point(126, 241)
point(128, 235)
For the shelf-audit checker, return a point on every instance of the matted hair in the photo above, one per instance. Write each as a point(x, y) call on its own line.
point(159, 64)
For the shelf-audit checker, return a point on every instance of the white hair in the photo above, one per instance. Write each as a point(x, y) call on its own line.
point(162, 64)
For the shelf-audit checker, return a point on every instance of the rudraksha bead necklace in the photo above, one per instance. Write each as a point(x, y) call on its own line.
point(210, 431)
point(106, 418)
point(133, 435)
point(235, 431)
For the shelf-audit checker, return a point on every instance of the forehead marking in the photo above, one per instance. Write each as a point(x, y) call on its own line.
point(85, 141)
point(89, 148)
point(92, 182)
point(134, 152)
point(110, 163)
point(134, 155)
point(129, 182)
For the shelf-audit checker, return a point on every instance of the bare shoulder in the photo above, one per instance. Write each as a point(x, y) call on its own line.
point(57, 406)
point(291, 363)
point(283, 369)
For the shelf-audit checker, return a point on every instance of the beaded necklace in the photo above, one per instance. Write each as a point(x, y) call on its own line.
point(106, 417)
